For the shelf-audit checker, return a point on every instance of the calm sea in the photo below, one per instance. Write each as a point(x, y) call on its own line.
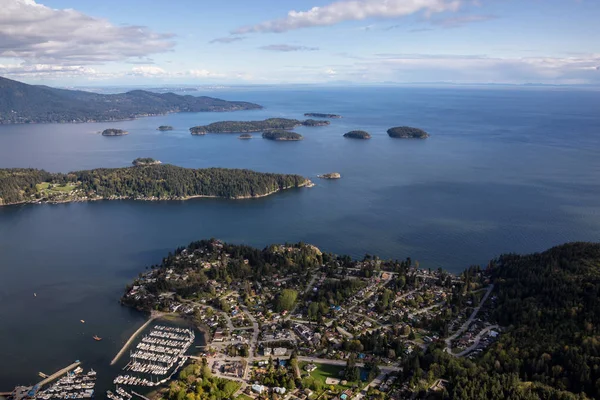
point(505, 170)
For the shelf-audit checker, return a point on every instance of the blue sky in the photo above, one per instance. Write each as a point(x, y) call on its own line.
point(88, 42)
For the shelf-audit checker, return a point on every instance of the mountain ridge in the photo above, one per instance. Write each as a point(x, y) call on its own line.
point(24, 103)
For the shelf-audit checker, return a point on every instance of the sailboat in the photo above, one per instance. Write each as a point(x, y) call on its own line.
point(82, 321)
point(35, 295)
point(97, 338)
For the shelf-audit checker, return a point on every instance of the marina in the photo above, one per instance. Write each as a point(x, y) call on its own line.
point(156, 359)
point(74, 385)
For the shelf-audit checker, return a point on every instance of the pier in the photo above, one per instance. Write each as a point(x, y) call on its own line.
point(153, 316)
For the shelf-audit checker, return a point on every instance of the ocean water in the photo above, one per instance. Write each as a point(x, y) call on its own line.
point(505, 170)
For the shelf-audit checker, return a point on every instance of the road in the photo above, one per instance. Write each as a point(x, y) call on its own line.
point(468, 322)
point(477, 340)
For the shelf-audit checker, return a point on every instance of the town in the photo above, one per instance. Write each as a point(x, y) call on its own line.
point(293, 322)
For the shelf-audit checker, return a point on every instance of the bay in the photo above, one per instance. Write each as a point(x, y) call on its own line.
point(505, 170)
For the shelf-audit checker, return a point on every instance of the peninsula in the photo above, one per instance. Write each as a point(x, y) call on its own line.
point(254, 126)
point(357, 135)
point(282, 135)
point(21, 103)
point(292, 318)
point(321, 115)
point(114, 132)
point(151, 181)
point(164, 128)
point(407, 132)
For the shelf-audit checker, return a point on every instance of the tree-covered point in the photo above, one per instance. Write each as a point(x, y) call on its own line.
point(358, 135)
point(151, 182)
point(23, 103)
point(145, 161)
point(254, 126)
point(165, 128)
point(245, 136)
point(281, 135)
point(322, 115)
point(407, 132)
point(114, 132)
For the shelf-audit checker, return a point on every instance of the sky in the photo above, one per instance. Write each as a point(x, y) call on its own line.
point(208, 42)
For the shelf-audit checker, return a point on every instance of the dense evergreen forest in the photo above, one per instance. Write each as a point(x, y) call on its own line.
point(550, 304)
point(407, 132)
point(253, 126)
point(22, 103)
point(141, 182)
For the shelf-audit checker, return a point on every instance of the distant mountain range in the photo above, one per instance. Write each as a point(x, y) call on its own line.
point(23, 103)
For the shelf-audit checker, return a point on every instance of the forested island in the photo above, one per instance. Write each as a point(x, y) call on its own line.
point(523, 328)
point(407, 132)
point(254, 126)
point(357, 135)
point(22, 103)
point(140, 162)
point(144, 182)
point(321, 115)
point(281, 135)
point(245, 136)
point(114, 132)
point(164, 128)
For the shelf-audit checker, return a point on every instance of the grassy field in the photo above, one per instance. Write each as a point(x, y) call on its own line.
point(47, 187)
point(325, 371)
point(244, 397)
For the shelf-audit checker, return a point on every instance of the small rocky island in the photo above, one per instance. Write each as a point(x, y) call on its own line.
point(357, 135)
point(245, 136)
point(407, 132)
point(321, 115)
point(141, 162)
point(114, 132)
point(164, 128)
point(331, 175)
point(282, 135)
point(254, 126)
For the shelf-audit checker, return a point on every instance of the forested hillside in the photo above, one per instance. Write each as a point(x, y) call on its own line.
point(550, 304)
point(22, 103)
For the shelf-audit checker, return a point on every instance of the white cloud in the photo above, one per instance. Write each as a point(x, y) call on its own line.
point(286, 48)
point(148, 70)
point(351, 10)
point(38, 34)
point(227, 39)
point(50, 71)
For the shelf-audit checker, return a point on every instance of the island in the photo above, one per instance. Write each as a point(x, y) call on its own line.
point(114, 132)
point(321, 115)
point(357, 135)
point(331, 175)
point(21, 103)
point(278, 318)
point(254, 126)
point(314, 122)
point(245, 136)
point(281, 135)
point(142, 162)
point(407, 132)
point(151, 181)
point(164, 128)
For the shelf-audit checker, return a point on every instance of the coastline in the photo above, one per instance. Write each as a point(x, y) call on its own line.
point(308, 184)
